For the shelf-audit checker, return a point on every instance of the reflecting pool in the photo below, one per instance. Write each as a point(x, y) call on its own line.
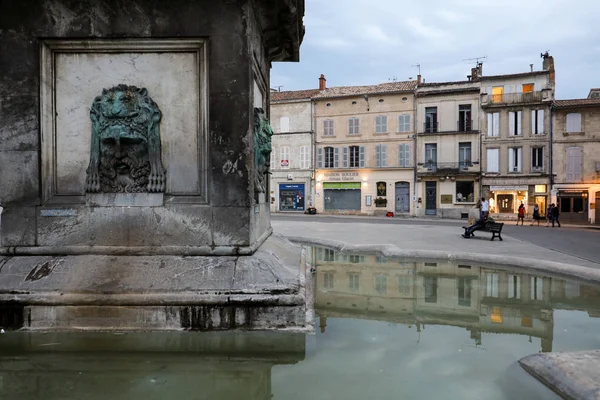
point(385, 328)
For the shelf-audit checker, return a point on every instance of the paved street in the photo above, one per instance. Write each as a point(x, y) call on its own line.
point(577, 245)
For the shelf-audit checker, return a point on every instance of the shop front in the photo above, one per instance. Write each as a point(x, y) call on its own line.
point(573, 205)
point(507, 199)
point(292, 197)
point(345, 196)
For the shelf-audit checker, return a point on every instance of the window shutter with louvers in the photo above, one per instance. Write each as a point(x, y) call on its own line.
point(319, 158)
point(383, 155)
point(345, 157)
point(336, 157)
point(362, 156)
point(540, 122)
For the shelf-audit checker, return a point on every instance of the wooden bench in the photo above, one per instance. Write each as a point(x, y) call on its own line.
point(494, 227)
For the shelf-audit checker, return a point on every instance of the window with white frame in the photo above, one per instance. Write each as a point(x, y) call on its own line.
point(354, 156)
point(493, 160)
point(574, 164)
point(537, 122)
point(304, 157)
point(537, 288)
point(404, 285)
point(284, 156)
point(492, 284)
point(381, 124)
point(381, 284)
point(404, 123)
point(328, 127)
point(329, 157)
point(514, 287)
point(328, 282)
point(431, 154)
point(380, 155)
point(353, 282)
point(574, 123)
point(465, 191)
point(537, 159)
point(404, 155)
point(353, 126)
point(284, 124)
point(493, 124)
point(514, 159)
point(514, 123)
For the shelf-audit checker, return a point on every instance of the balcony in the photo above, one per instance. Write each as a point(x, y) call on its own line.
point(465, 126)
point(506, 99)
point(448, 168)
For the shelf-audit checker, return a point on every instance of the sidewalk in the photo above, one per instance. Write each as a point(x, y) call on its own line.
point(439, 237)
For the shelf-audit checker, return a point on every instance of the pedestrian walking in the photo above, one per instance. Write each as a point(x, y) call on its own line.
point(555, 213)
point(536, 215)
point(549, 215)
point(521, 214)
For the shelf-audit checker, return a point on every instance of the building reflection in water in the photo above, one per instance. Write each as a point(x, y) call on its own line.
point(479, 298)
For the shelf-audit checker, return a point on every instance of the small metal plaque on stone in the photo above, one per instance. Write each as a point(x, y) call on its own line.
point(58, 213)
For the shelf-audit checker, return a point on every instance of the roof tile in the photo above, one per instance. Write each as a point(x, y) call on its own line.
point(347, 91)
point(576, 103)
point(293, 95)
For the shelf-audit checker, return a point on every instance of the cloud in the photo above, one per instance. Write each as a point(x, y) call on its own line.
point(355, 40)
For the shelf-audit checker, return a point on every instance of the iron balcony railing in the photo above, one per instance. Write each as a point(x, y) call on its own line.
point(512, 98)
point(464, 125)
point(430, 127)
point(447, 166)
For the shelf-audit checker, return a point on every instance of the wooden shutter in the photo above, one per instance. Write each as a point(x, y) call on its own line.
point(336, 157)
point(407, 155)
point(520, 159)
point(574, 122)
point(519, 116)
point(319, 157)
point(533, 122)
point(383, 155)
point(362, 156)
point(496, 124)
point(345, 157)
point(378, 155)
point(492, 160)
point(401, 155)
point(511, 159)
point(511, 123)
point(490, 124)
point(540, 122)
point(574, 164)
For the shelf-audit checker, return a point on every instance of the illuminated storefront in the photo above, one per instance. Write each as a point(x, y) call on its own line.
point(507, 199)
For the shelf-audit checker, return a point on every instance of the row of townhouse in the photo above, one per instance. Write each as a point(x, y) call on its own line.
point(434, 149)
point(475, 297)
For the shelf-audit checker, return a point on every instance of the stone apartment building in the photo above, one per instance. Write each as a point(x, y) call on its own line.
point(447, 155)
point(364, 146)
point(576, 158)
point(516, 121)
point(291, 180)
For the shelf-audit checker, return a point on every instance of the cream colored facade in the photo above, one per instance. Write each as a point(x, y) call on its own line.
point(477, 298)
point(291, 183)
point(364, 146)
point(576, 160)
point(448, 167)
point(516, 123)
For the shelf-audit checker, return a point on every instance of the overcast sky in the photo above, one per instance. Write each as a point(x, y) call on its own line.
point(362, 42)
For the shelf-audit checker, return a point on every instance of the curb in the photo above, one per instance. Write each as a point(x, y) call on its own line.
point(589, 275)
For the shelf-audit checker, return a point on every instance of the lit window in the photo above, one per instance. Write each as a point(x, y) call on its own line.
point(497, 315)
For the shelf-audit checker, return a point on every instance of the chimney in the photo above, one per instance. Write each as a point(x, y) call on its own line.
point(479, 70)
point(548, 65)
point(322, 82)
point(473, 74)
point(418, 79)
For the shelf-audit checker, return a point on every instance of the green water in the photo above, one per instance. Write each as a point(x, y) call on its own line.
point(385, 329)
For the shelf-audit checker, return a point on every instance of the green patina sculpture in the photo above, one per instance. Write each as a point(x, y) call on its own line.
point(125, 152)
point(262, 149)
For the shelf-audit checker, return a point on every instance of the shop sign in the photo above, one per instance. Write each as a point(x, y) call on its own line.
point(294, 186)
point(341, 185)
point(341, 176)
point(446, 199)
point(497, 188)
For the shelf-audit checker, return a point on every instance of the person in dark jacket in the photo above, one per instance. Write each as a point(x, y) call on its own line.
point(555, 213)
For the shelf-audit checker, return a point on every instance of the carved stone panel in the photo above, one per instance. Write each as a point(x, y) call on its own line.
point(262, 149)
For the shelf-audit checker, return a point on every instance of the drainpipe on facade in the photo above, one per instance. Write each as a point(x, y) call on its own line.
point(313, 178)
point(550, 152)
point(415, 124)
point(480, 164)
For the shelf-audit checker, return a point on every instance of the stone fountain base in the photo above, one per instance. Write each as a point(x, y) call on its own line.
point(265, 290)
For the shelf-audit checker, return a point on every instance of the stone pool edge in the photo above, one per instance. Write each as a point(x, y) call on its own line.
point(587, 274)
point(568, 373)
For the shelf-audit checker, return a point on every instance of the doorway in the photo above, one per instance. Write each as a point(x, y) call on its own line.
point(402, 197)
point(430, 198)
point(597, 205)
